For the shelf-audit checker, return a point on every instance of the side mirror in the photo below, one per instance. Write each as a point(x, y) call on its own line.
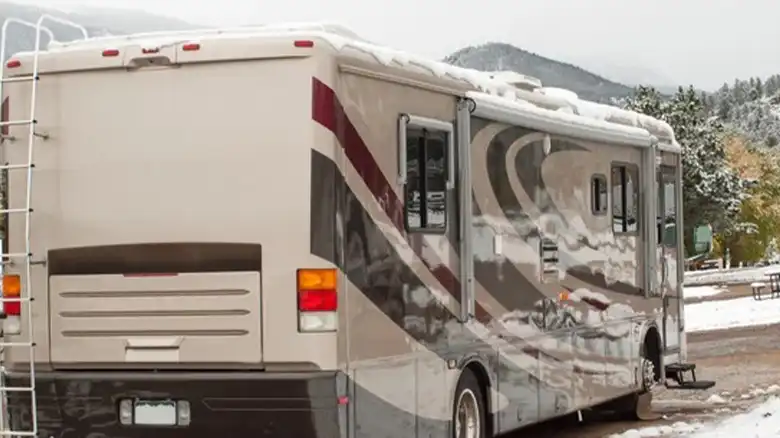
point(702, 239)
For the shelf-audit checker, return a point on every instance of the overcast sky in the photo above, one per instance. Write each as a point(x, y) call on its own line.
point(705, 42)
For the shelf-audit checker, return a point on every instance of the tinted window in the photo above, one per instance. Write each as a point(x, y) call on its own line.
point(598, 194)
point(426, 179)
point(625, 199)
point(667, 207)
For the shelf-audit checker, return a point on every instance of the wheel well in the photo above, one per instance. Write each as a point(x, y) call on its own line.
point(651, 348)
point(479, 372)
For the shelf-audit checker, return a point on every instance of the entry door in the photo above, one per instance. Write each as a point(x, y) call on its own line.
point(669, 254)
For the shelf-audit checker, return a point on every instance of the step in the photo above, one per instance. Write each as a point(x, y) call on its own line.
point(699, 385)
point(680, 367)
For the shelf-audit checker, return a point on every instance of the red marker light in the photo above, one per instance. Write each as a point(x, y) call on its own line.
point(304, 43)
point(191, 47)
point(14, 63)
point(110, 53)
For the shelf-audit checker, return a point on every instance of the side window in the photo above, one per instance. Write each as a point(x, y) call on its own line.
point(625, 199)
point(425, 190)
point(667, 207)
point(598, 195)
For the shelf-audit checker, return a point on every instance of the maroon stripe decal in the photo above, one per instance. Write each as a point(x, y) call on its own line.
point(328, 112)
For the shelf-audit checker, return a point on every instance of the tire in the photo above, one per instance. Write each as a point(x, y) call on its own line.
point(647, 372)
point(469, 404)
point(638, 405)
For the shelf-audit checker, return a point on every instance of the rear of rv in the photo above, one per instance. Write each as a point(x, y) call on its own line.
point(170, 234)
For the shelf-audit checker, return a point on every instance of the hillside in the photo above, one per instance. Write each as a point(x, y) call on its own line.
point(501, 56)
point(750, 106)
point(97, 21)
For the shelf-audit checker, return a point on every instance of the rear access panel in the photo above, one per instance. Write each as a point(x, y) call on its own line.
point(192, 318)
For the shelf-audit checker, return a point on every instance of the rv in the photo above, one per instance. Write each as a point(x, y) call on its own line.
point(289, 231)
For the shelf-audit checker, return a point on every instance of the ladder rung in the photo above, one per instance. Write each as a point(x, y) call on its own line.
point(17, 389)
point(16, 433)
point(14, 210)
point(17, 123)
point(14, 166)
point(16, 344)
point(28, 78)
point(15, 255)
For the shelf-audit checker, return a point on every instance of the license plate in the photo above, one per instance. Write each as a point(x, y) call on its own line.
point(154, 412)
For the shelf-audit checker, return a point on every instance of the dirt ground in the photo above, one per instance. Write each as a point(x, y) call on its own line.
point(744, 362)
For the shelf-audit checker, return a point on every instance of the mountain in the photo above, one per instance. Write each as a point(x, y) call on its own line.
point(98, 21)
point(630, 74)
point(552, 73)
point(751, 107)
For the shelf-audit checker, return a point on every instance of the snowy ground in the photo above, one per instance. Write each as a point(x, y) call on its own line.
point(762, 421)
point(729, 276)
point(739, 315)
point(726, 314)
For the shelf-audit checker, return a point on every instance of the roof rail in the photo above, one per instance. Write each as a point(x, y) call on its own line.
point(334, 29)
point(9, 21)
point(39, 28)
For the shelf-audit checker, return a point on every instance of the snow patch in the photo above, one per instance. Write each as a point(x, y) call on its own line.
point(763, 421)
point(726, 314)
point(715, 399)
point(729, 276)
point(676, 429)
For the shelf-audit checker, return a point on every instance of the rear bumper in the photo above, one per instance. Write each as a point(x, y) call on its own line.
point(80, 404)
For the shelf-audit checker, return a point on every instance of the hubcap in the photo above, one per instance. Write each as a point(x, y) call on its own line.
point(467, 416)
point(648, 374)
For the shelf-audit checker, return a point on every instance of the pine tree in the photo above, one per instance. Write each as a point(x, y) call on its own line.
point(712, 192)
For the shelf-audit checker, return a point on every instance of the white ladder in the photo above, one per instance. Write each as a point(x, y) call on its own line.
point(26, 257)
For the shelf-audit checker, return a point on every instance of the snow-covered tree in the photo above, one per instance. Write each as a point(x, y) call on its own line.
point(712, 191)
point(751, 107)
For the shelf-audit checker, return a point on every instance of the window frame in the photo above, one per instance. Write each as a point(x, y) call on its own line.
point(626, 167)
point(594, 197)
point(405, 122)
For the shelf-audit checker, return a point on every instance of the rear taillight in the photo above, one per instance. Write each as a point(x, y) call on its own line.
point(12, 290)
point(317, 300)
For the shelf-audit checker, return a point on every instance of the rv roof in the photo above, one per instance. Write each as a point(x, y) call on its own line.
point(487, 85)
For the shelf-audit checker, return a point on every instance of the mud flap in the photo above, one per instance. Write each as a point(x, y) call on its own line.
point(633, 407)
point(643, 409)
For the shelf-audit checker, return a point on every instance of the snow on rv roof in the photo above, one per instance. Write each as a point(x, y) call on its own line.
point(494, 89)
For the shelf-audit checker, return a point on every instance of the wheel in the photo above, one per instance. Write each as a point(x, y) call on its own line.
point(642, 400)
point(647, 372)
point(638, 405)
point(468, 413)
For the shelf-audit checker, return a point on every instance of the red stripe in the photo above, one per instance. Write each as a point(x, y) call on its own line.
point(328, 111)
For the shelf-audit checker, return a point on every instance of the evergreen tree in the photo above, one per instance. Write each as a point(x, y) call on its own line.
point(712, 192)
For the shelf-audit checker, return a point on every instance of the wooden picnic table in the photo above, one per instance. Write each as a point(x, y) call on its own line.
point(760, 288)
